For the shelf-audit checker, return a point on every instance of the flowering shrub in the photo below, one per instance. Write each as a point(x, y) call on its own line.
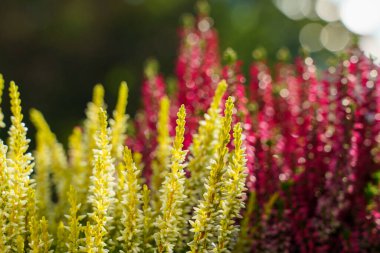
point(312, 141)
point(298, 146)
point(100, 204)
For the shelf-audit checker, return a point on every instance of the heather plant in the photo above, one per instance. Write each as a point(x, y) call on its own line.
point(286, 159)
point(101, 204)
point(311, 143)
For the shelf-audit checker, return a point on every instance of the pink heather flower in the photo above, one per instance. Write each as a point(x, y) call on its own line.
point(265, 170)
point(196, 68)
point(153, 89)
point(324, 133)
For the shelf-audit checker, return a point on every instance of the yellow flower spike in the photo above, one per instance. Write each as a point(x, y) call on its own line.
point(170, 220)
point(205, 220)
point(162, 154)
point(41, 125)
point(219, 93)
point(42, 156)
point(62, 240)
point(18, 143)
point(137, 157)
point(225, 137)
point(202, 151)
point(147, 222)
point(76, 148)
point(101, 191)
point(118, 211)
point(21, 166)
point(119, 122)
point(102, 135)
point(74, 227)
point(50, 158)
point(89, 245)
point(33, 225)
point(90, 128)
point(132, 219)
point(3, 239)
point(20, 244)
point(177, 153)
point(233, 195)
point(91, 123)
point(2, 124)
point(59, 159)
point(4, 189)
point(98, 95)
point(77, 155)
point(45, 238)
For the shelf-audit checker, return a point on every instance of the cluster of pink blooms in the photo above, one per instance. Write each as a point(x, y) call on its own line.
point(312, 140)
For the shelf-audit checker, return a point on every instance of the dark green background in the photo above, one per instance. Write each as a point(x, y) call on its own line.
point(56, 50)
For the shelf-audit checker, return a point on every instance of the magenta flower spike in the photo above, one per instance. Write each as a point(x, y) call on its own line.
point(196, 68)
point(153, 89)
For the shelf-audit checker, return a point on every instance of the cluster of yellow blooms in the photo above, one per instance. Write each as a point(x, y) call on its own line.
point(92, 197)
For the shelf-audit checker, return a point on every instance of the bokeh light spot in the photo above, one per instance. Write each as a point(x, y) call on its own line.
point(327, 10)
point(309, 37)
point(335, 37)
point(361, 16)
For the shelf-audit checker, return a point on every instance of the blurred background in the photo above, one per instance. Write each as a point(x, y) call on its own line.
point(57, 50)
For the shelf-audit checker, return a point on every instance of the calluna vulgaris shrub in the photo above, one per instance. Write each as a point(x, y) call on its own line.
point(289, 162)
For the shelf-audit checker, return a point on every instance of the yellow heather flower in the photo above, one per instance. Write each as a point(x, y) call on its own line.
point(74, 227)
point(77, 164)
point(58, 155)
point(172, 193)
point(118, 210)
point(61, 243)
point(45, 237)
point(202, 152)
point(147, 237)
point(90, 128)
point(132, 219)
point(203, 149)
point(160, 164)
point(121, 216)
point(33, 224)
point(42, 156)
point(3, 239)
point(4, 193)
point(137, 157)
point(101, 192)
point(205, 220)
point(233, 195)
point(76, 149)
point(119, 122)
point(49, 147)
point(20, 166)
point(92, 121)
point(89, 245)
